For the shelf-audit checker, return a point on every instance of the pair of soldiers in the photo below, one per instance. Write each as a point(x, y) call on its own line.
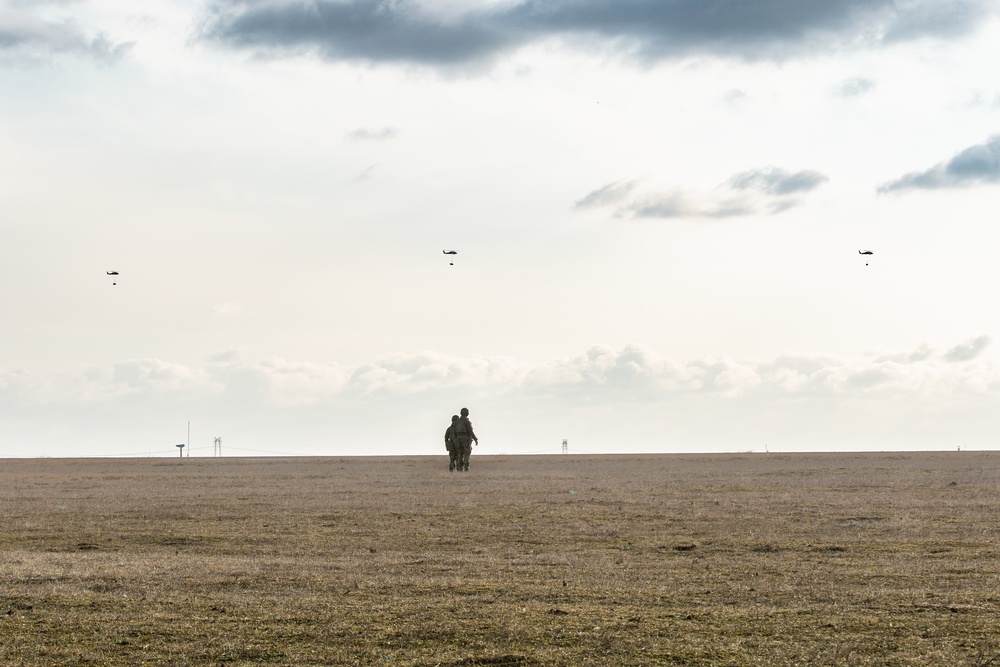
point(458, 441)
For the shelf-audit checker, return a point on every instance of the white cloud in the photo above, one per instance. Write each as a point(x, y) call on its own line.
point(975, 165)
point(373, 134)
point(854, 87)
point(365, 175)
point(602, 372)
point(607, 195)
point(32, 33)
point(922, 353)
point(403, 398)
point(778, 182)
point(408, 374)
point(155, 375)
point(763, 191)
point(968, 350)
point(275, 382)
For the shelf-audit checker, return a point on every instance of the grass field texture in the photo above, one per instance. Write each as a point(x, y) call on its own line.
point(756, 559)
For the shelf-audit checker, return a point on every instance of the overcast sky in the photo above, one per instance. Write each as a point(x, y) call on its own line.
point(657, 207)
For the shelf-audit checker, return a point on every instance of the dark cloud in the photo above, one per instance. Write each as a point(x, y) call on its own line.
point(401, 31)
point(975, 165)
point(26, 38)
point(922, 18)
point(368, 30)
point(657, 29)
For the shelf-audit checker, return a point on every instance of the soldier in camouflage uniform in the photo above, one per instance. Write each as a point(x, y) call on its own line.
point(451, 443)
point(464, 435)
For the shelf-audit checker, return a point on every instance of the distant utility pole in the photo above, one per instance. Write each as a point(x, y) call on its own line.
point(218, 447)
point(565, 446)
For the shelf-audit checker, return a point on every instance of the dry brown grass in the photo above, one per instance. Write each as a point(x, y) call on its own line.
point(839, 559)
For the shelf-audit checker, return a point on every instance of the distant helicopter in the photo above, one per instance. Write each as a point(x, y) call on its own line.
point(865, 252)
point(112, 273)
point(450, 252)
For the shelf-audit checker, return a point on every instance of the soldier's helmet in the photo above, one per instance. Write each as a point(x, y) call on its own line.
point(455, 418)
point(465, 412)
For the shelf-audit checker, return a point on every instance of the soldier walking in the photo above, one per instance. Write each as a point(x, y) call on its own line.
point(451, 443)
point(464, 436)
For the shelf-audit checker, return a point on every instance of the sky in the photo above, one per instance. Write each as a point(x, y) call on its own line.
point(658, 208)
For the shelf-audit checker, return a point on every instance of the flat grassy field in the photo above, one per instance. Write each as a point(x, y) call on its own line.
point(756, 559)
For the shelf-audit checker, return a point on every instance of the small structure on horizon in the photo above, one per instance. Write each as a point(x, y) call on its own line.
point(565, 446)
point(180, 448)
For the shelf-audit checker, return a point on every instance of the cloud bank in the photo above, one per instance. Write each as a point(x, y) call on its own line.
point(397, 31)
point(620, 396)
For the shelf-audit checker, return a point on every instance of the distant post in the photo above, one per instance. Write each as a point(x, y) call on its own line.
point(180, 448)
point(565, 446)
point(218, 447)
